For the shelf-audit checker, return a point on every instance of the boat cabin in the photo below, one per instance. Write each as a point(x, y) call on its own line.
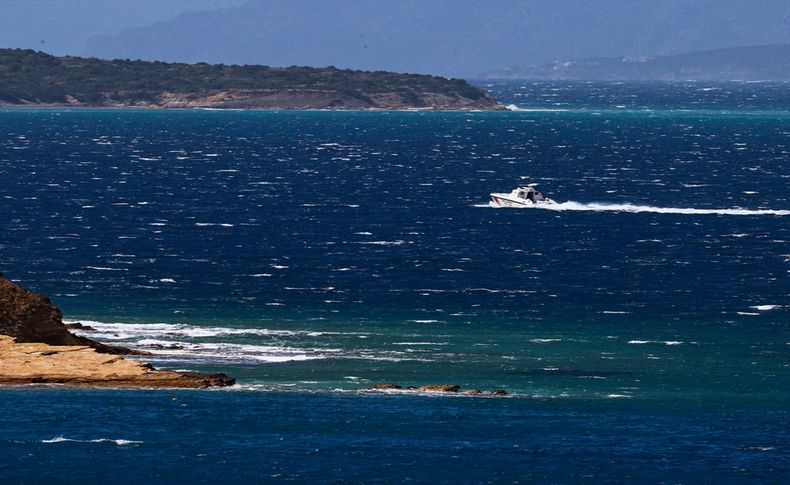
point(529, 193)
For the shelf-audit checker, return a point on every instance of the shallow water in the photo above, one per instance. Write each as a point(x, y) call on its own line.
point(320, 252)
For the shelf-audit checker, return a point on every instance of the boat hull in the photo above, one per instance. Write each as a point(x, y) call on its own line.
point(506, 200)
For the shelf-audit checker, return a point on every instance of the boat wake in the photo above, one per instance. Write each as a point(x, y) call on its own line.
point(603, 207)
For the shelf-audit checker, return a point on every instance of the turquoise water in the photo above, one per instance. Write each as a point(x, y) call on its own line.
point(640, 325)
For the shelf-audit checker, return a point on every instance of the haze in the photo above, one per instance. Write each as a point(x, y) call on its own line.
point(446, 37)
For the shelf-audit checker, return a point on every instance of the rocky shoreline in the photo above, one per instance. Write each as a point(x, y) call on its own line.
point(36, 79)
point(37, 348)
point(272, 100)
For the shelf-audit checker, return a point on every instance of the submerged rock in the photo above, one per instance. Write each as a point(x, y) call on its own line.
point(434, 388)
point(439, 388)
point(384, 387)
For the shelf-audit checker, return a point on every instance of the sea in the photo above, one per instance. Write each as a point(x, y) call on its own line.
point(640, 325)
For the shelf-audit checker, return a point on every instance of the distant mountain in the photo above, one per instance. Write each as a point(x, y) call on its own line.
point(29, 77)
point(460, 38)
point(756, 63)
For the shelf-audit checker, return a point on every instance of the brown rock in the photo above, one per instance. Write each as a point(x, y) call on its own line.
point(472, 391)
point(37, 363)
point(383, 387)
point(439, 388)
point(79, 326)
point(36, 347)
point(499, 392)
point(33, 318)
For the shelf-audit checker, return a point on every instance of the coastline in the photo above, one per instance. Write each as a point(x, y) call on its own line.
point(36, 347)
point(65, 106)
point(73, 81)
point(37, 363)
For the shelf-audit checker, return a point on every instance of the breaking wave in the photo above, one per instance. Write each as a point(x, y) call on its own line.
point(181, 342)
point(513, 107)
point(127, 331)
point(61, 439)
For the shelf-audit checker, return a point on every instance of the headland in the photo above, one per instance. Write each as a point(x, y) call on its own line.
point(37, 348)
point(30, 78)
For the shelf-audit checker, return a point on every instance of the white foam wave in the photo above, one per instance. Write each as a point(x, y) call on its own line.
point(665, 342)
point(178, 342)
point(383, 243)
point(61, 439)
point(513, 107)
point(419, 343)
point(126, 331)
point(633, 208)
point(765, 308)
point(188, 351)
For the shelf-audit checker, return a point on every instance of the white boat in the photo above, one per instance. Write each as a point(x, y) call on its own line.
point(521, 197)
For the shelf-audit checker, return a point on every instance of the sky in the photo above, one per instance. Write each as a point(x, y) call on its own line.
point(462, 38)
point(63, 27)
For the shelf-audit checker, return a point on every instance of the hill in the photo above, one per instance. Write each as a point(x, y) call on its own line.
point(30, 77)
point(755, 63)
point(462, 38)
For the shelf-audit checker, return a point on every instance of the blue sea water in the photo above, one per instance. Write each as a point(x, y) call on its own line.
point(640, 325)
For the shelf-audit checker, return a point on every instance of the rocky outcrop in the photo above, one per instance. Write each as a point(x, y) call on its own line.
point(36, 347)
point(37, 363)
point(385, 387)
point(448, 388)
point(439, 388)
point(28, 317)
point(304, 98)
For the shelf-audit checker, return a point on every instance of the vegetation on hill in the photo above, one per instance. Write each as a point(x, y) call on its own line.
point(31, 77)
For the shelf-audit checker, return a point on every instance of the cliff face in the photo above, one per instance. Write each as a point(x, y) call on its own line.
point(36, 347)
point(30, 78)
point(305, 98)
point(28, 317)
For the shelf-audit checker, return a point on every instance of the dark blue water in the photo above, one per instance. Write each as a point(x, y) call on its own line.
point(641, 324)
point(225, 436)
